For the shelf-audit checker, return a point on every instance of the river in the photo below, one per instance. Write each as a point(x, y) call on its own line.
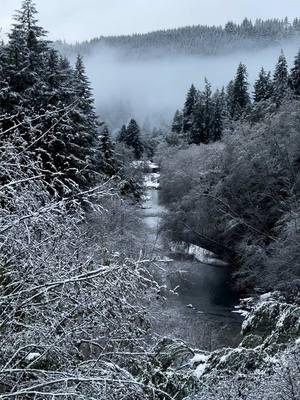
point(201, 309)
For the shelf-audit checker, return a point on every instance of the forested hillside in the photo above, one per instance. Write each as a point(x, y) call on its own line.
point(198, 40)
point(238, 192)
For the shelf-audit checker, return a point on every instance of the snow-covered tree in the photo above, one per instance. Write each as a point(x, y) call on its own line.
point(280, 80)
point(263, 86)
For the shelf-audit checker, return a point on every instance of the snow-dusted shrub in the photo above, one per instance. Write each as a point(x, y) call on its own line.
point(72, 313)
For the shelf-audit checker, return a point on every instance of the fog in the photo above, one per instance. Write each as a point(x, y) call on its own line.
point(154, 89)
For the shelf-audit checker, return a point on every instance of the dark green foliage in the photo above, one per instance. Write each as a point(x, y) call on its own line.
point(131, 137)
point(122, 134)
point(106, 148)
point(280, 80)
point(263, 86)
point(188, 110)
point(239, 97)
point(177, 123)
point(295, 75)
point(51, 102)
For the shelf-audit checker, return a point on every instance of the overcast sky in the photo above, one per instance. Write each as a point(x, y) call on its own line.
point(74, 20)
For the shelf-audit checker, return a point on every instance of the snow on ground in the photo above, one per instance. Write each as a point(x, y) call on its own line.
point(152, 180)
point(202, 255)
point(200, 359)
point(32, 356)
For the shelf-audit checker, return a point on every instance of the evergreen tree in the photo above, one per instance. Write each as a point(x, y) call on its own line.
point(84, 118)
point(108, 163)
point(263, 86)
point(189, 105)
point(26, 53)
point(208, 112)
point(218, 116)
point(239, 92)
point(121, 137)
point(295, 75)
point(230, 98)
point(280, 80)
point(133, 139)
point(177, 123)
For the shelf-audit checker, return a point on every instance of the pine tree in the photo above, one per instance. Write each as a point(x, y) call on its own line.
point(295, 75)
point(177, 123)
point(108, 162)
point(189, 105)
point(263, 86)
point(280, 80)
point(121, 137)
point(239, 92)
point(208, 112)
point(26, 53)
point(84, 118)
point(132, 138)
point(218, 116)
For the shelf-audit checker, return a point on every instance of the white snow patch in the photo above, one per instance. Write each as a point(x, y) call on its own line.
point(152, 180)
point(32, 356)
point(201, 358)
point(199, 371)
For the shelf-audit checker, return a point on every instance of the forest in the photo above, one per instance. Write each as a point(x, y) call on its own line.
point(81, 273)
point(195, 40)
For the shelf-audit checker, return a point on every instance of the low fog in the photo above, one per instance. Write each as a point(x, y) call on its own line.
point(153, 89)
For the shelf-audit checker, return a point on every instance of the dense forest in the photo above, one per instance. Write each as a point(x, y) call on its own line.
point(76, 270)
point(198, 40)
point(238, 192)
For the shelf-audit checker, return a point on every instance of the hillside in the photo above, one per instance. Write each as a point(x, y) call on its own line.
point(194, 40)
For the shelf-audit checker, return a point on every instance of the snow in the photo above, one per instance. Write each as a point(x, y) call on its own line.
point(152, 180)
point(152, 165)
point(32, 356)
point(199, 371)
point(241, 311)
point(200, 254)
point(201, 358)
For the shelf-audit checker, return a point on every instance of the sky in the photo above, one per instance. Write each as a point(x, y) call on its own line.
point(77, 20)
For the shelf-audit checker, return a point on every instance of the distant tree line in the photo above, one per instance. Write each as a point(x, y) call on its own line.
point(194, 40)
point(206, 114)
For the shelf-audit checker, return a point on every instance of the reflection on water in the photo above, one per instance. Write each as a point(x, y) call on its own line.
point(200, 309)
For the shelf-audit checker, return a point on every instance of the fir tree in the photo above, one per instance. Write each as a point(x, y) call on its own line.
point(280, 80)
point(26, 52)
point(121, 137)
point(263, 86)
point(295, 75)
point(132, 138)
point(84, 117)
point(188, 110)
point(218, 116)
point(239, 92)
point(108, 163)
point(177, 123)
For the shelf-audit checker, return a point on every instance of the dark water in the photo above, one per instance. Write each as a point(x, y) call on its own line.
point(200, 309)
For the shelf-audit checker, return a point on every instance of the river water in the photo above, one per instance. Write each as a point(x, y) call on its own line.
point(200, 311)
